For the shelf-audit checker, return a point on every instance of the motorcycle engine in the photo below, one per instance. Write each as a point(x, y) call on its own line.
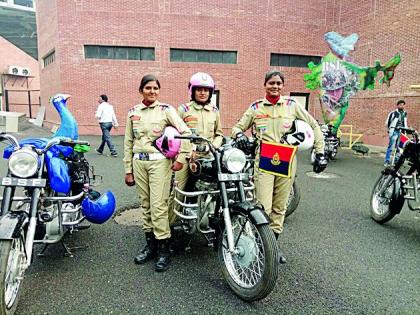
point(79, 171)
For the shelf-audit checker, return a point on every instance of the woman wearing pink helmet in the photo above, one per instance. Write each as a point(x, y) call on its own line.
point(203, 118)
point(149, 149)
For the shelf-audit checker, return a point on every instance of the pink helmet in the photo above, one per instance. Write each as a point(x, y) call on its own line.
point(201, 79)
point(167, 144)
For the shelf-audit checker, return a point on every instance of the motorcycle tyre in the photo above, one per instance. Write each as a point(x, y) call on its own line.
point(394, 207)
point(333, 155)
point(295, 199)
point(269, 279)
point(5, 251)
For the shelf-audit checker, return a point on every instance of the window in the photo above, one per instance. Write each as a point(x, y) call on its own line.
point(286, 60)
point(24, 3)
point(119, 52)
point(208, 56)
point(49, 58)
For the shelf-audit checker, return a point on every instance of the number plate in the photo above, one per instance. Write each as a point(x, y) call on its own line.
point(233, 177)
point(22, 182)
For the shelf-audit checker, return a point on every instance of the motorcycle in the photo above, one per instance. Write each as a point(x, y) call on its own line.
point(332, 142)
point(57, 196)
point(393, 187)
point(220, 206)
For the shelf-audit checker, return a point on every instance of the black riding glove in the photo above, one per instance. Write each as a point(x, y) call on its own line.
point(320, 163)
point(242, 141)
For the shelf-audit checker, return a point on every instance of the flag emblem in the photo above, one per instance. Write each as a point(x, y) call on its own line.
point(276, 159)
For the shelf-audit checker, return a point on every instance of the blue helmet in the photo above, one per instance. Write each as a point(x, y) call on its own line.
point(98, 210)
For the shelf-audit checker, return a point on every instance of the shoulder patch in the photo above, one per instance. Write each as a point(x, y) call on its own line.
point(290, 101)
point(165, 107)
point(255, 106)
point(215, 109)
point(184, 107)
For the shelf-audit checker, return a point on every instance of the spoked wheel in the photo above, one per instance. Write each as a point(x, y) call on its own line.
point(293, 200)
point(12, 260)
point(384, 205)
point(251, 271)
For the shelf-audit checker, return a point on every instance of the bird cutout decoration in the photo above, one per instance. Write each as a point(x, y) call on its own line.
point(68, 126)
point(337, 79)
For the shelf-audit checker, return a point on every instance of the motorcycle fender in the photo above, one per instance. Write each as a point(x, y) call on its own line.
point(398, 193)
point(253, 211)
point(10, 223)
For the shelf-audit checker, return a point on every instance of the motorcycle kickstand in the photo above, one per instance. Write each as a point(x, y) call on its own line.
point(187, 247)
point(42, 253)
point(69, 250)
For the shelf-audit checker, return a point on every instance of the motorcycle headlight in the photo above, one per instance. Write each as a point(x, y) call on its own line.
point(23, 163)
point(234, 160)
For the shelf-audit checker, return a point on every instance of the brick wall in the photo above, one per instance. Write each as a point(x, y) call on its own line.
point(252, 28)
point(18, 86)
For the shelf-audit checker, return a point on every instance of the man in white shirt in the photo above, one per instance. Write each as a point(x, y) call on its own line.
point(106, 116)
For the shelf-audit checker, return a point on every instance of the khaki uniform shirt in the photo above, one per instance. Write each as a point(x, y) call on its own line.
point(272, 122)
point(144, 125)
point(203, 121)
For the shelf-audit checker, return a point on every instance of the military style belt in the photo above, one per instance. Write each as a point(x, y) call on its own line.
point(145, 156)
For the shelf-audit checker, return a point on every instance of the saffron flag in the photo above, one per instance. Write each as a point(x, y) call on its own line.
point(403, 140)
point(276, 159)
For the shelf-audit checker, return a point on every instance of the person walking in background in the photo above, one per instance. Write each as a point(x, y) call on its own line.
point(396, 118)
point(106, 116)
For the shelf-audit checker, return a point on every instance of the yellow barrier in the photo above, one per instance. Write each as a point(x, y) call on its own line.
point(350, 134)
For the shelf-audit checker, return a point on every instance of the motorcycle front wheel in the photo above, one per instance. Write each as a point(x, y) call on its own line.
point(252, 270)
point(383, 204)
point(294, 199)
point(12, 260)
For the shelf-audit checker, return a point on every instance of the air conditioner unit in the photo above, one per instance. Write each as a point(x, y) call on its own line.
point(13, 70)
point(20, 71)
point(25, 72)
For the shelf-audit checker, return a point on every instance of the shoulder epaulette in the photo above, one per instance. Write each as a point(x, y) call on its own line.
point(214, 109)
point(132, 109)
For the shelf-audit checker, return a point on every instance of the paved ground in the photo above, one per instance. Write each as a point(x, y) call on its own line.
point(339, 260)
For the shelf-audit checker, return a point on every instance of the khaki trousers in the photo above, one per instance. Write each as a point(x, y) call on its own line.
point(273, 192)
point(153, 180)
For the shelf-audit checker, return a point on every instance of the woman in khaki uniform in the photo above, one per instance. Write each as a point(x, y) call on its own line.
point(272, 117)
point(150, 170)
point(203, 119)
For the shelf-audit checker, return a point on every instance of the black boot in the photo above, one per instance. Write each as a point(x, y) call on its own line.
point(164, 258)
point(149, 251)
point(282, 259)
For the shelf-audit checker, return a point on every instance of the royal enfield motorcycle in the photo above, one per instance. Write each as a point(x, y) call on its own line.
point(47, 194)
point(393, 187)
point(332, 142)
point(220, 206)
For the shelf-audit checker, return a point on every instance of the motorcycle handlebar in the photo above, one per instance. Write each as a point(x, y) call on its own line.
point(63, 141)
point(12, 139)
point(408, 130)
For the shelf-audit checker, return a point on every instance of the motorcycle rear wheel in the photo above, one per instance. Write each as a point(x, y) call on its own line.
point(252, 271)
point(293, 200)
point(12, 259)
point(384, 207)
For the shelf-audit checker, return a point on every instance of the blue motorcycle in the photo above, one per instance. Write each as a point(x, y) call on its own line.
point(56, 181)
